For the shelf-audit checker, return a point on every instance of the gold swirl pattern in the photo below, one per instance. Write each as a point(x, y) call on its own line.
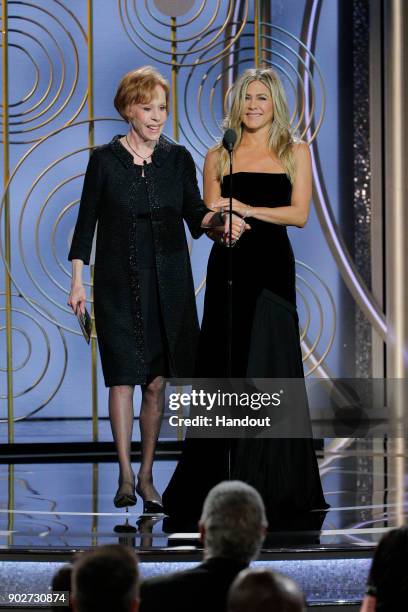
point(51, 198)
point(52, 39)
point(37, 361)
point(206, 44)
point(146, 30)
point(210, 86)
point(318, 316)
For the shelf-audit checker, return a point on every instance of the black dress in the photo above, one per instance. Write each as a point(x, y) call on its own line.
point(266, 344)
point(143, 285)
point(156, 351)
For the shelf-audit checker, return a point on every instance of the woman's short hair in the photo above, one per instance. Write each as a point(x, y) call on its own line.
point(137, 86)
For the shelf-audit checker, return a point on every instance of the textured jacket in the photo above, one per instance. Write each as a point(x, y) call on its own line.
point(109, 197)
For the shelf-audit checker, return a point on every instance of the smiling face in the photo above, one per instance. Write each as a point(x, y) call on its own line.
point(257, 111)
point(148, 118)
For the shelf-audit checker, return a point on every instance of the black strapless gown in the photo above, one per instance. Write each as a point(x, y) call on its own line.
point(266, 344)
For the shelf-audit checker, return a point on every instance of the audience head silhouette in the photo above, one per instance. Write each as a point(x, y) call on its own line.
point(105, 579)
point(233, 522)
point(62, 582)
point(388, 578)
point(262, 590)
point(232, 526)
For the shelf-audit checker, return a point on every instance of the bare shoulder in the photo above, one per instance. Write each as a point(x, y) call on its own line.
point(212, 155)
point(211, 160)
point(302, 156)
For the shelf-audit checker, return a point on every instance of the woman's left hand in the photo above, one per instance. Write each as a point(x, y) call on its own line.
point(243, 210)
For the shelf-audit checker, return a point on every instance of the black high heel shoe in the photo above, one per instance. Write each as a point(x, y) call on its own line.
point(150, 506)
point(122, 500)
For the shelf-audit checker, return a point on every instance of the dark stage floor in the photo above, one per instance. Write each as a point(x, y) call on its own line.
point(48, 511)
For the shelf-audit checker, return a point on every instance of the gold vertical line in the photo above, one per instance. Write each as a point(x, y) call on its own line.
point(265, 31)
point(174, 71)
point(91, 142)
point(95, 473)
point(94, 371)
point(95, 434)
point(10, 521)
point(7, 238)
point(396, 224)
point(90, 74)
point(256, 32)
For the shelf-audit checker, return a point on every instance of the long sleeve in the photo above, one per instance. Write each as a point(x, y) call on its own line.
point(88, 211)
point(194, 209)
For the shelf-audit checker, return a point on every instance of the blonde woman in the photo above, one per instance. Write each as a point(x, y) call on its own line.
point(271, 189)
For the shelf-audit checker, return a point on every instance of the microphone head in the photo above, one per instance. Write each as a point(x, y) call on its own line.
point(229, 140)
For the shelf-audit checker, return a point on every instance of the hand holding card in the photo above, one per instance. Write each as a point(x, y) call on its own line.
point(85, 322)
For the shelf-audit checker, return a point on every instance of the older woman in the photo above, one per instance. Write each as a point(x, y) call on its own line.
point(139, 188)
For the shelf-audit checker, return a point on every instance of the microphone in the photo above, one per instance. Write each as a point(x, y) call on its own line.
point(229, 140)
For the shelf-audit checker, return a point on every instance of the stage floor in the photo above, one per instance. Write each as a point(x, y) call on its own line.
point(49, 511)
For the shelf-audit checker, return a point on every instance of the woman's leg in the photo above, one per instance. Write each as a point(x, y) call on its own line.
point(151, 414)
point(121, 419)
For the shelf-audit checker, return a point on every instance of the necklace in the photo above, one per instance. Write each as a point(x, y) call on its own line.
point(136, 153)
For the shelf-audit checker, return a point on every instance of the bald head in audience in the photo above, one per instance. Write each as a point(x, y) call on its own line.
point(262, 590)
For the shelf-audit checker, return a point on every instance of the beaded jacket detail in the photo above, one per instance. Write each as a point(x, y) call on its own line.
point(110, 198)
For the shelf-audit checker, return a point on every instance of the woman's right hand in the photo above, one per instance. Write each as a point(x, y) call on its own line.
point(77, 297)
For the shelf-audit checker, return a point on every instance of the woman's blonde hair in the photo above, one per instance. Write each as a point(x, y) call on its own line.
point(137, 86)
point(281, 136)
